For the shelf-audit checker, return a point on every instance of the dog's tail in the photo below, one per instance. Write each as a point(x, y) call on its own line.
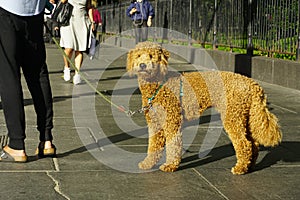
point(263, 124)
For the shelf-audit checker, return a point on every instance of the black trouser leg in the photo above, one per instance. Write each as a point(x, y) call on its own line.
point(37, 78)
point(10, 84)
point(21, 44)
point(39, 86)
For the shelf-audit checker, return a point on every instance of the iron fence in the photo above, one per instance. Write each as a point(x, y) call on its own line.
point(271, 26)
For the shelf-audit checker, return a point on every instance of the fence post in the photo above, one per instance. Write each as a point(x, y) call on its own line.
point(298, 42)
point(250, 44)
point(215, 26)
point(120, 20)
point(155, 25)
point(190, 25)
point(298, 48)
point(171, 23)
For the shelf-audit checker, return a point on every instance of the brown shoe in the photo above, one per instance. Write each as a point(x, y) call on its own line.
point(6, 157)
point(42, 152)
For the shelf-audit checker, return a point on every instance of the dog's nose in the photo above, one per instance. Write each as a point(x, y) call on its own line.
point(143, 66)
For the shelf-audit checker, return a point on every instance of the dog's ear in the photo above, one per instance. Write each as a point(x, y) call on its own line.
point(165, 55)
point(129, 64)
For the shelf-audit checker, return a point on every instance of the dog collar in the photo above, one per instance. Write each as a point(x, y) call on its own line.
point(160, 86)
point(155, 93)
point(143, 109)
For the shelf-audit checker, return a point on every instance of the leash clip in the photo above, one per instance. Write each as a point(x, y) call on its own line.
point(150, 107)
point(130, 113)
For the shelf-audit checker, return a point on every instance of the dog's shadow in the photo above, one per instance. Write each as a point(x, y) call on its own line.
point(287, 151)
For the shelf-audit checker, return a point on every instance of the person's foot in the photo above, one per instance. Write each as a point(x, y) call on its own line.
point(67, 74)
point(76, 79)
point(46, 149)
point(11, 155)
point(48, 145)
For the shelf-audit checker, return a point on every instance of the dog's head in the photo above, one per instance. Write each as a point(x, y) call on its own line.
point(148, 60)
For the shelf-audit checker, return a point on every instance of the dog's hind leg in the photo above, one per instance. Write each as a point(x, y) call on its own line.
point(156, 143)
point(242, 146)
point(173, 152)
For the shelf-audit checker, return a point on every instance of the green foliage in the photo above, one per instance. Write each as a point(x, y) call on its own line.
point(244, 51)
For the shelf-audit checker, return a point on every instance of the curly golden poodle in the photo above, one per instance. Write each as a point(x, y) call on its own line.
point(240, 101)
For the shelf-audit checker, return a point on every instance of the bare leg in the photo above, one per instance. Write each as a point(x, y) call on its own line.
point(78, 60)
point(78, 63)
point(69, 53)
point(67, 71)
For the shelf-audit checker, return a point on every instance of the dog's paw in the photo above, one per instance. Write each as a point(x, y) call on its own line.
point(168, 167)
point(145, 165)
point(238, 170)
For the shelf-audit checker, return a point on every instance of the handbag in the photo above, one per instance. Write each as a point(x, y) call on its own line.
point(92, 44)
point(63, 13)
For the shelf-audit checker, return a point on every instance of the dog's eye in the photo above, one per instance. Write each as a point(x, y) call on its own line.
point(150, 56)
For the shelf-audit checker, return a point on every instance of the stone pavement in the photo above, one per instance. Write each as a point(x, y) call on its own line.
point(99, 147)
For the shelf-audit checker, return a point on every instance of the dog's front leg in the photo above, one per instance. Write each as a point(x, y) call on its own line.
point(173, 152)
point(156, 143)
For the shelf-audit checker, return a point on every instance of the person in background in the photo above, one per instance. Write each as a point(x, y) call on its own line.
point(22, 45)
point(73, 38)
point(50, 23)
point(141, 13)
point(95, 15)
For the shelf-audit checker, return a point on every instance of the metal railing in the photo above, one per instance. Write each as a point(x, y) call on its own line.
point(271, 26)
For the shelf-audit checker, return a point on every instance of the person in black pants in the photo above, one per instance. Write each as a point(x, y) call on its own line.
point(22, 45)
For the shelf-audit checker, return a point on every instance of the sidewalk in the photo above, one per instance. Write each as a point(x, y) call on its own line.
point(99, 147)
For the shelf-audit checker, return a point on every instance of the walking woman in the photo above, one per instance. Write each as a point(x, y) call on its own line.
point(74, 36)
